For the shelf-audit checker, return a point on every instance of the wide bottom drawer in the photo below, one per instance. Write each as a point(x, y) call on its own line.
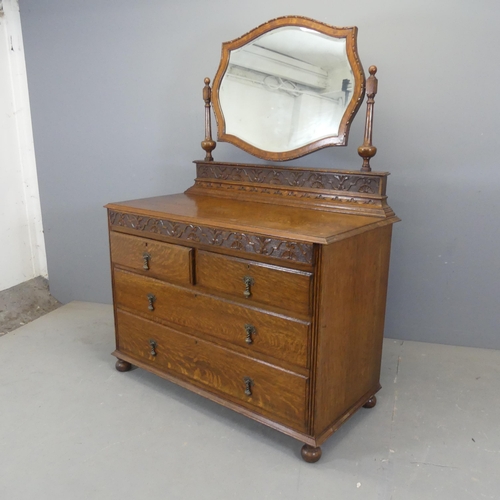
point(275, 393)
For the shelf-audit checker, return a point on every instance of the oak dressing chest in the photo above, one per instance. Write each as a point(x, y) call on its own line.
point(263, 288)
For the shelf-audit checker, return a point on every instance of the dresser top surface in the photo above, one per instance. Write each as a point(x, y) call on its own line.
point(298, 223)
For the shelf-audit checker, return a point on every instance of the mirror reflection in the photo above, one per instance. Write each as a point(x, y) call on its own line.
point(286, 89)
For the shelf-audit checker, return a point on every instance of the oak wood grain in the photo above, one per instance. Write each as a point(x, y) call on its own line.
point(272, 389)
point(233, 252)
point(172, 263)
point(272, 285)
point(350, 323)
point(319, 189)
point(343, 417)
point(290, 223)
point(191, 385)
point(279, 336)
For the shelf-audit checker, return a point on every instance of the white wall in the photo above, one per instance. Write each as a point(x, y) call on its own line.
point(22, 246)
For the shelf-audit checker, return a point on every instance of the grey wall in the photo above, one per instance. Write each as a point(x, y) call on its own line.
point(115, 92)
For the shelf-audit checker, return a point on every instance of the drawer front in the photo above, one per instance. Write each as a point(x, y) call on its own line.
point(277, 286)
point(162, 260)
point(253, 384)
point(275, 335)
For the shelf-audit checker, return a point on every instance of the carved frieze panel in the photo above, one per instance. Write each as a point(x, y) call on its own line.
point(295, 178)
point(252, 243)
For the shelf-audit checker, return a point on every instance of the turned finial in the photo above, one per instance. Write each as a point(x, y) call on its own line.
point(207, 91)
point(208, 144)
point(367, 150)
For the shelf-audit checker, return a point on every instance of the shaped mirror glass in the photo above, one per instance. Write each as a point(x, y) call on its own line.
point(287, 88)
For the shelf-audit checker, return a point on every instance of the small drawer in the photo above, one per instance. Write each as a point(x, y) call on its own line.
point(278, 393)
point(257, 330)
point(169, 262)
point(257, 282)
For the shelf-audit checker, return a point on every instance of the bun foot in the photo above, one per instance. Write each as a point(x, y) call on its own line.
point(371, 402)
point(122, 366)
point(310, 454)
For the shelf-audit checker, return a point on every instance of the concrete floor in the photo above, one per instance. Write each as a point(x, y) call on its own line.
point(24, 303)
point(72, 427)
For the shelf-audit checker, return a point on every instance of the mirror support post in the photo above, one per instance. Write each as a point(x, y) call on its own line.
point(208, 144)
point(367, 150)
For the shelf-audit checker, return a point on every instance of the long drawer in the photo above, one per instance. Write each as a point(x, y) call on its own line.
point(172, 263)
point(279, 336)
point(280, 394)
point(255, 281)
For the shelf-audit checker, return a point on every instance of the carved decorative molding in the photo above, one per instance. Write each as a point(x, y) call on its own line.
point(296, 178)
point(253, 243)
point(285, 193)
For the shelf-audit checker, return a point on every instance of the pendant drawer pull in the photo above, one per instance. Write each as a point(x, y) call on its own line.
point(250, 329)
point(146, 257)
point(248, 281)
point(153, 345)
point(151, 300)
point(248, 385)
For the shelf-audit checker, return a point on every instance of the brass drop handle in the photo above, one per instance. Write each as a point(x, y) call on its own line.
point(248, 281)
point(153, 345)
point(248, 385)
point(146, 258)
point(250, 329)
point(151, 300)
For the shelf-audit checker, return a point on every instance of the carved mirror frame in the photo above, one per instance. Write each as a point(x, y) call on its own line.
point(349, 34)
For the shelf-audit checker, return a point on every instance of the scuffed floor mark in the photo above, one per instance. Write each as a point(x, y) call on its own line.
point(394, 409)
point(436, 465)
point(397, 369)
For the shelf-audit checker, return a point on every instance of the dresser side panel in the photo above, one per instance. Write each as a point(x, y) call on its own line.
point(350, 326)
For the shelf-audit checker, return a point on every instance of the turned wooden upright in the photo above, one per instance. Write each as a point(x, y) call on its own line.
point(208, 145)
point(367, 151)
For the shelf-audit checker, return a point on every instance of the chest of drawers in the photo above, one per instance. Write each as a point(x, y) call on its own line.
point(273, 310)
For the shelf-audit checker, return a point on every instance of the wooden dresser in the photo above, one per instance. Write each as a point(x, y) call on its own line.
point(261, 288)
